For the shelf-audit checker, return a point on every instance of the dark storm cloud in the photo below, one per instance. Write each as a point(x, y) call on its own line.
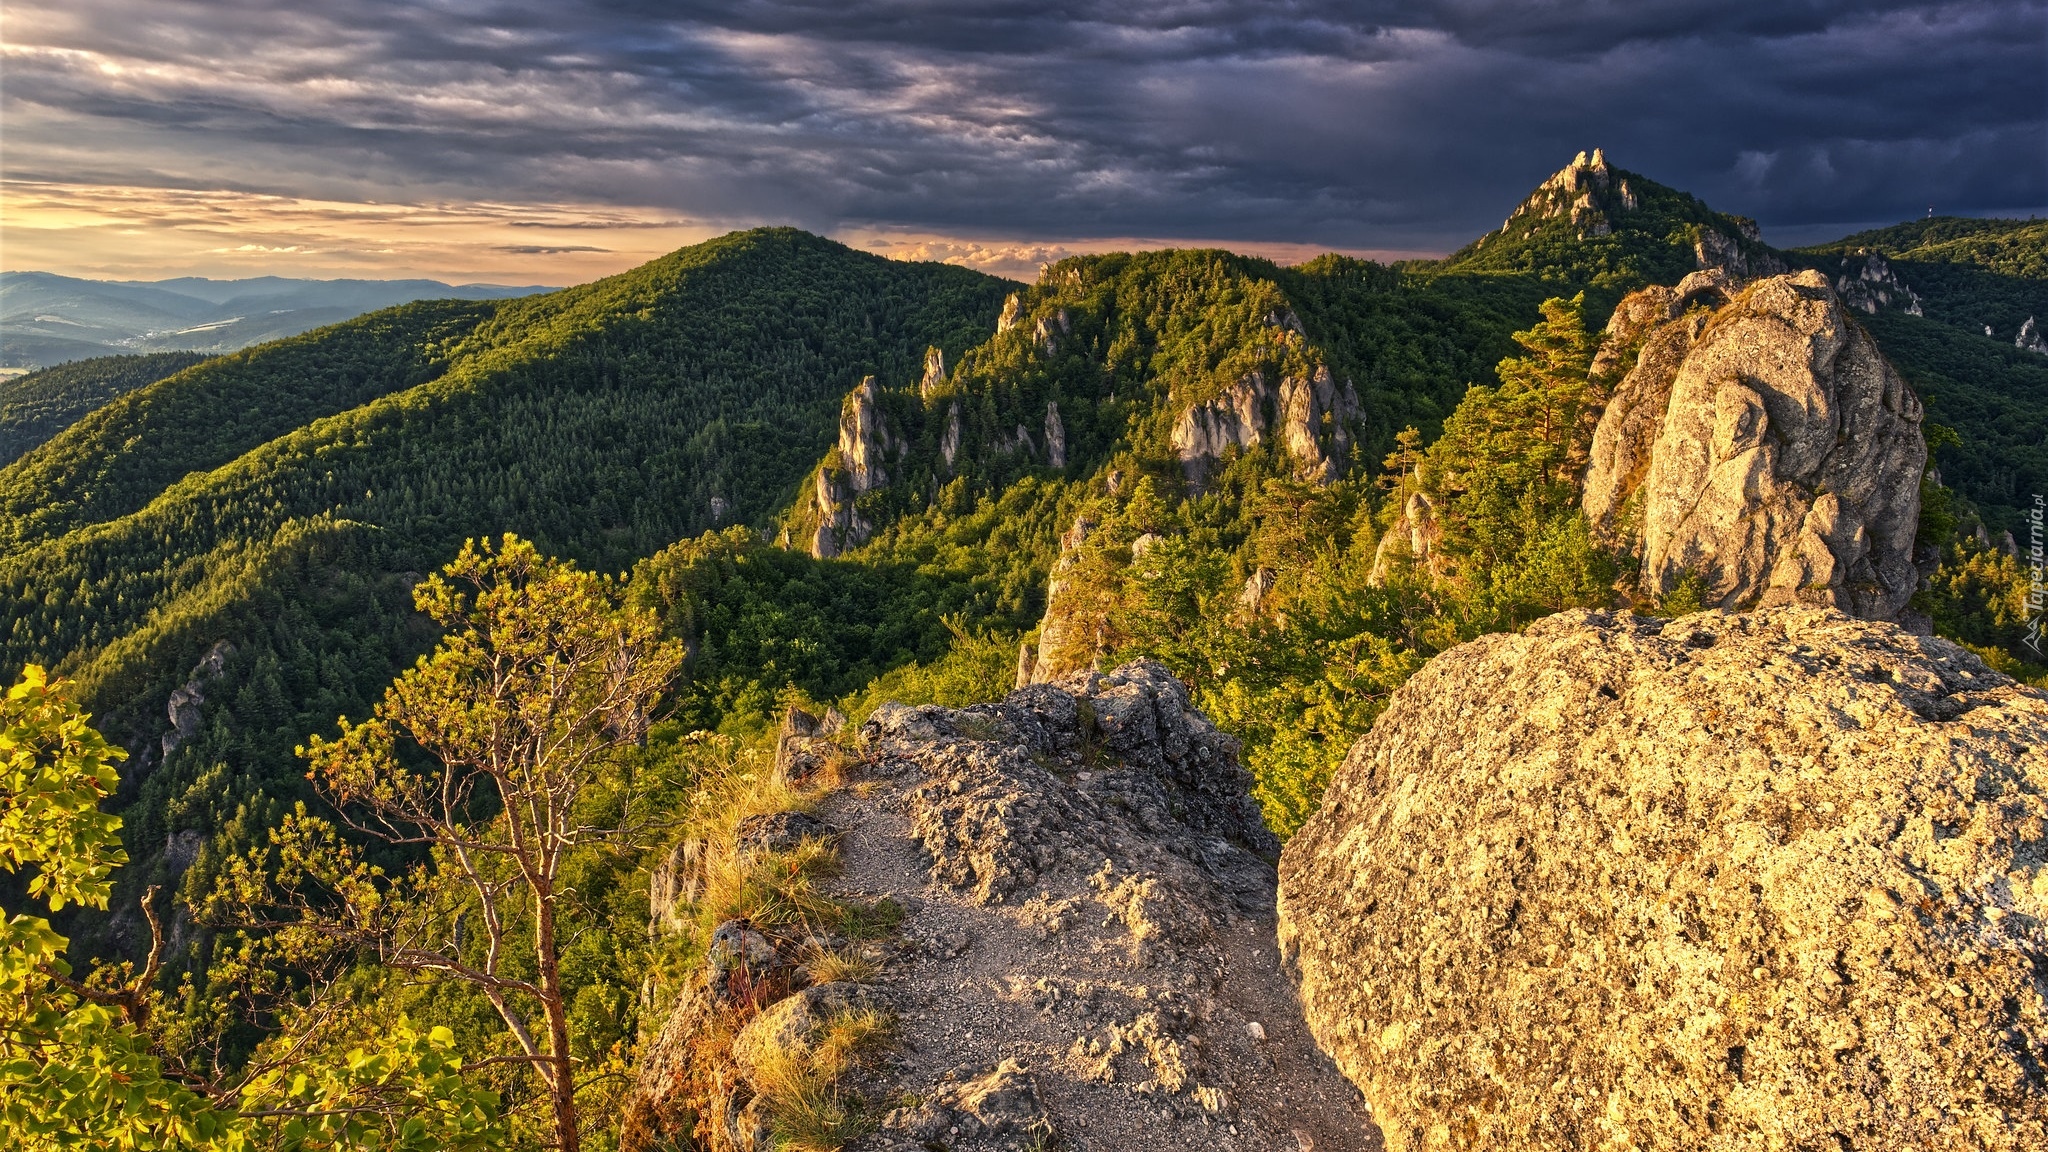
point(1382, 125)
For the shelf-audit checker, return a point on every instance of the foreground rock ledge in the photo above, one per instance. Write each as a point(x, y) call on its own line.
point(1770, 880)
point(1087, 957)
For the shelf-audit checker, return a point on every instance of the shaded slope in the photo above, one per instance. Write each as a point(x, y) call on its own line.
point(1994, 395)
point(1973, 275)
point(123, 455)
point(39, 405)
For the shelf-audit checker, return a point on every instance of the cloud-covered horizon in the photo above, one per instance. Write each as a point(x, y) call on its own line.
point(982, 131)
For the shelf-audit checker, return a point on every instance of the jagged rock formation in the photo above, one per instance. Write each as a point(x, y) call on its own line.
point(1256, 586)
point(1775, 880)
point(188, 698)
point(1048, 331)
point(1586, 188)
point(1234, 418)
point(2029, 338)
point(949, 440)
point(1411, 539)
point(1867, 283)
point(1730, 254)
point(1766, 446)
point(840, 526)
point(1310, 415)
point(934, 372)
point(1013, 310)
point(854, 467)
point(1087, 960)
point(1064, 644)
point(804, 742)
point(1055, 436)
point(864, 437)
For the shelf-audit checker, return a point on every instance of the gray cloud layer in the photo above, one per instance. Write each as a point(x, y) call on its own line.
point(1391, 125)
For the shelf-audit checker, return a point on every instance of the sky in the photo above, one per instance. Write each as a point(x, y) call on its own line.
point(553, 141)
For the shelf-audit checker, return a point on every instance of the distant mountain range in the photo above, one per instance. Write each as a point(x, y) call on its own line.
point(48, 319)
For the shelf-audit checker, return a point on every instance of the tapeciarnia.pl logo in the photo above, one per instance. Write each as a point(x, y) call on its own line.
point(2037, 592)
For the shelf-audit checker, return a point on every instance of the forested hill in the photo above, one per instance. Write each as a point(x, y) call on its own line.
point(1593, 224)
point(284, 499)
point(38, 405)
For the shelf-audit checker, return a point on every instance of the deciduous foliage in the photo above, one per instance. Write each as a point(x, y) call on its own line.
point(481, 754)
point(78, 1068)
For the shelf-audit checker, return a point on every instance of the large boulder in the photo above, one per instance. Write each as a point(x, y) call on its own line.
point(1774, 880)
point(1764, 446)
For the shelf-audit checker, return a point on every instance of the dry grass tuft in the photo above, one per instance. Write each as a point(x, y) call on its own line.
point(800, 1082)
point(781, 895)
point(832, 965)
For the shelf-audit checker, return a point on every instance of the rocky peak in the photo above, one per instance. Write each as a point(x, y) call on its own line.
point(1766, 448)
point(855, 466)
point(864, 437)
point(2029, 339)
point(1047, 331)
point(1739, 881)
point(1868, 283)
point(1313, 420)
point(1013, 310)
point(1586, 190)
point(934, 373)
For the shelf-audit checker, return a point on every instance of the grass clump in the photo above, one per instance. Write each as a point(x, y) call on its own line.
point(800, 1082)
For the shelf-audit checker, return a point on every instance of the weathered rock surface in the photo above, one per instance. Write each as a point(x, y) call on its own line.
point(864, 437)
point(1774, 880)
point(1867, 283)
point(949, 440)
point(1310, 415)
point(1055, 436)
point(2029, 338)
point(805, 742)
point(855, 466)
point(1064, 642)
point(1086, 959)
point(1411, 539)
point(1092, 929)
point(1767, 447)
point(188, 698)
point(934, 373)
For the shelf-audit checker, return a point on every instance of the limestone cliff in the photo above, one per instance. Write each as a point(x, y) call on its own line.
point(1775, 880)
point(1085, 958)
point(2029, 338)
point(1310, 415)
point(1764, 446)
point(833, 523)
point(1867, 284)
point(186, 700)
point(934, 373)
